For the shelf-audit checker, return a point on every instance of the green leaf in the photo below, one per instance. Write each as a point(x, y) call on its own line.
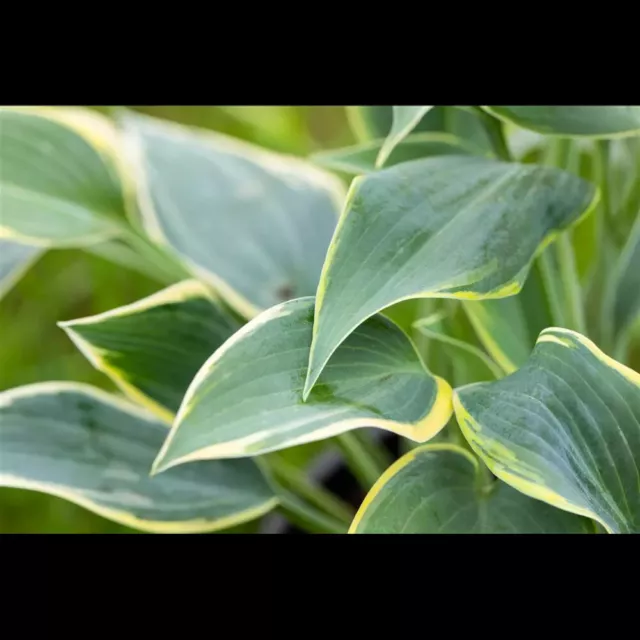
point(252, 223)
point(591, 121)
point(444, 227)
point(440, 488)
point(95, 450)
point(15, 259)
point(404, 121)
point(361, 158)
point(247, 398)
point(565, 429)
point(58, 185)
point(154, 347)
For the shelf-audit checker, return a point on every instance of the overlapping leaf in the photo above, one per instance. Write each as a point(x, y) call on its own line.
point(452, 226)
point(565, 429)
point(83, 445)
point(154, 347)
point(440, 488)
point(58, 184)
point(375, 122)
point(15, 259)
point(361, 158)
point(592, 121)
point(404, 121)
point(247, 398)
point(254, 224)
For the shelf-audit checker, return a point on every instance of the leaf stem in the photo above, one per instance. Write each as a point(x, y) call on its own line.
point(153, 258)
point(575, 317)
point(308, 517)
point(565, 254)
point(549, 274)
point(604, 171)
point(358, 455)
point(558, 263)
point(296, 481)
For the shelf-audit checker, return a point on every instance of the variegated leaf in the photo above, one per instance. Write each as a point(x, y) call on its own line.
point(154, 347)
point(247, 398)
point(564, 428)
point(59, 184)
point(252, 223)
point(440, 488)
point(443, 227)
point(95, 450)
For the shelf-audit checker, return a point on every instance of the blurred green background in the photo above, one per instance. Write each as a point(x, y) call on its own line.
point(67, 284)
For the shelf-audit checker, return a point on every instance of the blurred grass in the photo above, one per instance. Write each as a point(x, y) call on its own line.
point(67, 284)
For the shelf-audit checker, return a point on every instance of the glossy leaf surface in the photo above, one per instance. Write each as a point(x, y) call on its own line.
point(452, 226)
point(440, 488)
point(95, 450)
point(154, 347)
point(247, 398)
point(564, 428)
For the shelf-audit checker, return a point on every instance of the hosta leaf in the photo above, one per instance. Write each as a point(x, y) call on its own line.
point(88, 447)
point(58, 184)
point(440, 488)
point(450, 226)
point(404, 121)
point(592, 121)
point(361, 158)
point(565, 429)
point(15, 259)
point(254, 224)
point(154, 347)
point(247, 398)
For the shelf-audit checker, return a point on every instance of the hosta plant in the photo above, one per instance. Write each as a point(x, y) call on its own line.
point(464, 278)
